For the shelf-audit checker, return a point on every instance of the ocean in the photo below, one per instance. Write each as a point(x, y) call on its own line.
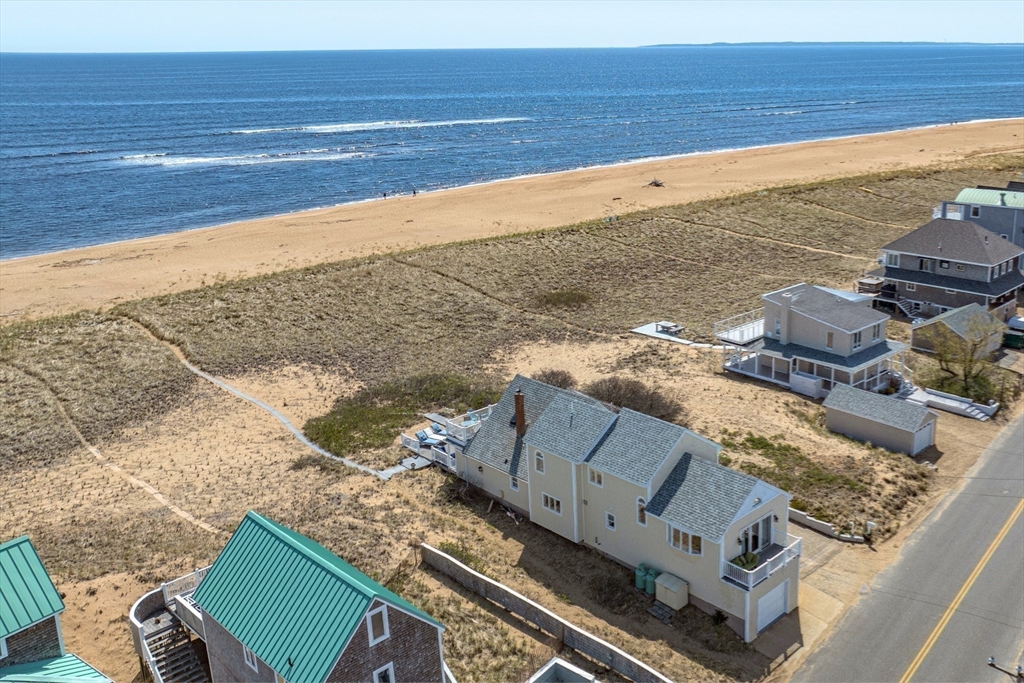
point(101, 148)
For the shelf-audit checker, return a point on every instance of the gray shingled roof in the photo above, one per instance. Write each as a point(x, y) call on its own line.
point(635, 446)
point(877, 408)
point(701, 497)
point(822, 305)
point(871, 354)
point(1012, 280)
point(569, 427)
point(959, 319)
point(943, 238)
point(496, 443)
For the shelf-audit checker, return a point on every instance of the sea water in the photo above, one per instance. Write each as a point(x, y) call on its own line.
point(100, 148)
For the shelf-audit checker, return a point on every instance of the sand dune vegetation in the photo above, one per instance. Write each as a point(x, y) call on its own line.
point(482, 310)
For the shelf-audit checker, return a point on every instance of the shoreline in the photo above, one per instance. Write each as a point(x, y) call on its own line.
point(525, 176)
point(97, 277)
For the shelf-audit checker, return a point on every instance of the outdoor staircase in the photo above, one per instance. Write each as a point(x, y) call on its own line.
point(176, 655)
point(909, 308)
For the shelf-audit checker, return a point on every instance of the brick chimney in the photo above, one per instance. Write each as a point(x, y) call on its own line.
point(520, 413)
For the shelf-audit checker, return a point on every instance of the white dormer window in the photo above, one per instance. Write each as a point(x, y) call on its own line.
point(385, 674)
point(856, 340)
point(892, 260)
point(876, 332)
point(377, 625)
point(828, 340)
point(596, 479)
point(538, 463)
point(250, 658)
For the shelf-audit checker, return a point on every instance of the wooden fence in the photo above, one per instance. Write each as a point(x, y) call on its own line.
point(543, 619)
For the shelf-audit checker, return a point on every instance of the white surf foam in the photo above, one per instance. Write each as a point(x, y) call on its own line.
point(379, 125)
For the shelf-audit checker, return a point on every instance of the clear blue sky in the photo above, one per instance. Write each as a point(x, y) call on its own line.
point(184, 26)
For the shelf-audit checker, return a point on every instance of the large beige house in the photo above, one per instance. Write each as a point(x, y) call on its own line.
point(809, 338)
point(641, 491)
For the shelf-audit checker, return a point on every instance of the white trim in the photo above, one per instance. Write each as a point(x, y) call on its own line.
point(538, 457)
point(513, 482)
point(383, 609)
point(3, 648)
point(688, 550)
point(60, 637)
point(609, 520)
point(390, 668)
point(576, 512)
point(250, 657)
point(970, 263)
point(554, 500)
point(35, 623)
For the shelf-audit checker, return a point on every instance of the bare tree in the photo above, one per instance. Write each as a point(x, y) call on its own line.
point(965, 357)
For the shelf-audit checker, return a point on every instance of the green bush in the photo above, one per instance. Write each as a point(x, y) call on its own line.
point(635, 395)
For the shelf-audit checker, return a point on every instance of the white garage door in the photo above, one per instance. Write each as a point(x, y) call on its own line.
point(772, 605)
point(923, 437)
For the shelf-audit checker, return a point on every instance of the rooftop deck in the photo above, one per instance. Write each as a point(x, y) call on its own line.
point(741, 329)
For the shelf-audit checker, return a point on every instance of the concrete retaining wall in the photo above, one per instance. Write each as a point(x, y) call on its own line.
point(545, 620)
point(806, 520)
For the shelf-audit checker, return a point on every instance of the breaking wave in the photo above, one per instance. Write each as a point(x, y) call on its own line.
point(378, 125)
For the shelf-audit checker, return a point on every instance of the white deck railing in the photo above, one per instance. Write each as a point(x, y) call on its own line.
point(749, 579)
point(183, 584)
point(190, 614)
point(741, 329)
point(463, 427)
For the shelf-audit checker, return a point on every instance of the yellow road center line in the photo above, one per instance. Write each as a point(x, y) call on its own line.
point(948, 614)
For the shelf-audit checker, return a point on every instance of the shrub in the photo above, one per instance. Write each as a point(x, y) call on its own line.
point(562, 379)
point(563, 298)
point(635, 395)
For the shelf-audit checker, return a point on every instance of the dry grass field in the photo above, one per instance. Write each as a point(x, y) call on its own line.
point(301, 339)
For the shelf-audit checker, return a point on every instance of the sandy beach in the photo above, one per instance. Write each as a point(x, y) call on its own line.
point(102, 276)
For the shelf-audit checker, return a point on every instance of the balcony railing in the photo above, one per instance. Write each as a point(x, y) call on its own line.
point(183, 585)
point(747, 579)
point(741, 329)
point(463, 427)
point(190, 614)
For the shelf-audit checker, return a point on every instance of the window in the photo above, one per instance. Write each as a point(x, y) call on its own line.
point(641, 512)
point(551, 504)
point(944, 264)
point(250, 658)
point(892, 260)
point(926, 264)
point(828, 340)
point(3, 648)
point(596, 479)
point(975, 211)
point(876, 332)
point(609, 520)
point(538, 463)
point(778, 327)
point(377, 625)
point(385, 674)
point(684, 542)
point(959, 267)
point(911, 287)
point(856, 340)
point(513, 483)
point(757, 536)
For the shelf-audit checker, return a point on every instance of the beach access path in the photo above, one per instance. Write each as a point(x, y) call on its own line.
point(103, 276)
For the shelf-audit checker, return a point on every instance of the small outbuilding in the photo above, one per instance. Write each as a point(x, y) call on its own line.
point(971, 323)
point(887, 422)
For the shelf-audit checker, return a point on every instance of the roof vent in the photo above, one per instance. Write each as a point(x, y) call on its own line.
point(986, 239)
point(1002, 199)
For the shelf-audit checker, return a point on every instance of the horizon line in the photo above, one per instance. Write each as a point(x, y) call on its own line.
point(716, 44)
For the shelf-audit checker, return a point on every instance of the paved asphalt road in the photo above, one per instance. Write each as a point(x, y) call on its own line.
point(879, 638)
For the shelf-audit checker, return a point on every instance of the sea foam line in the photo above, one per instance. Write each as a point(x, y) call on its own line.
point(379, 125)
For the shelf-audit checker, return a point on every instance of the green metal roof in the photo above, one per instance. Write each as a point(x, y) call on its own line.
point(973, 195)
point(66, 669)
point(287, 597)
point(27, 594)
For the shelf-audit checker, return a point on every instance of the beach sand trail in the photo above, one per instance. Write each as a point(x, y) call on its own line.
point(102, 276)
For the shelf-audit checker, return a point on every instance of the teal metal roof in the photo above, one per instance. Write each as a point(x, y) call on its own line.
point(973, 195)
point(66, 669)
point(27, 594)
point(288, 598)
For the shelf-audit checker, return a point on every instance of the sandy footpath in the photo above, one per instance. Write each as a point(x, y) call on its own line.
point(97, 277)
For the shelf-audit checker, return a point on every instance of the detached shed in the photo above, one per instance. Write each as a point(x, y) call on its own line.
point(966, 323)
point(883, 421)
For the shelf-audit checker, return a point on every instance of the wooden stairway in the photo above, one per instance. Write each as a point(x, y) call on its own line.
point(176, 655)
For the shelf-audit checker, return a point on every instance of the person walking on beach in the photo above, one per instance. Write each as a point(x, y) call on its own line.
point(414, 192)
point(385, 195)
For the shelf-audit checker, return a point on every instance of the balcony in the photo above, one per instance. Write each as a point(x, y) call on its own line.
point(462, 428)
point(772, 559)
point(741, 329)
